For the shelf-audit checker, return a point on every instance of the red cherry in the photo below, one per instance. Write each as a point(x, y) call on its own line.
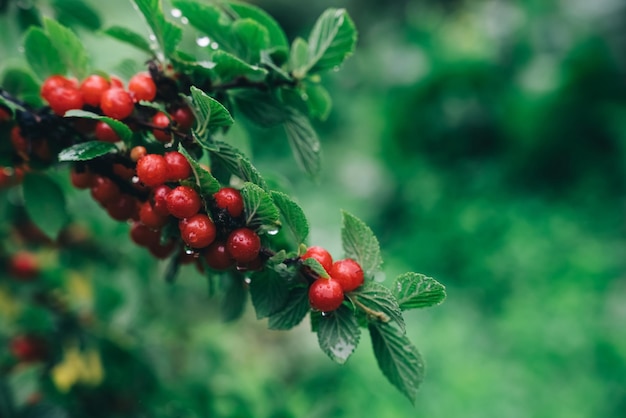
point(28, 348)
point(105, 133)
point(116, 82)
point(5, 115)
point(142, 87)
point(161, 120)
point(123, 208)
point(184, 118)
point(24, 266)
point(117, 103)
point(20, 144)
point(152, 170)
point(81, 180)
point(161, 251)
point(321, 255)
point(243, 245)
point(92, 88)
point(178, 167)
point(123, 172)
point(63, 99)
point(348, 273)
point(197, 231)
point(104, 190)
point(144, 236)
point(325, 295)
point(217, 257)
point(160, 199)
point(229, 199)
point(183, 202)
point(54, 82)
point(149, 217)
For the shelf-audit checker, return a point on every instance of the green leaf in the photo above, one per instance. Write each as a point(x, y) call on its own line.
point(167, 34)
point(317, 268)
point(332, 40)
point(378, 303)
point(20, 83)
point(45, 203)
point(397, 358)
point(360, 244)
point(87, 151)
point(121, 129)
point(415, 290)
point(129, 37)
point(228, 67)
point(318, 101)
point(304, 142)
point(228, 159)
point(293, 312)
point(277, 37)
point(234, 298)
point(208, 19)
point(70, 48)
point(205, 181)
point(42, 56)
point(78, 12)
point(259, 208)
point(293, 216)
point(262, 109)
point(209, 112)
point(299, 57)
point(269, 292)
point(251, 38)
point(338, 334)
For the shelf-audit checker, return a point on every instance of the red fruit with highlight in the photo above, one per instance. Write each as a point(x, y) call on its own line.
point(81, 179)
point(54, 82)
point(104, 132)
point(183, 202)
point(92, 88)
point(142, 87)
point(117, 103)
point(160, 199)
point(161, 120)
point(144, 236)
point(217, 256)
point(63, 99)
point(184, 118)
point(321, 255)
point(178, 167)
point(348, 273)
point(325, 295)
point(123, 208)
point(149, 217)
point(104, 190)
point(152, 170)
point(197, 231)
point(229, 199)
point(243, 245)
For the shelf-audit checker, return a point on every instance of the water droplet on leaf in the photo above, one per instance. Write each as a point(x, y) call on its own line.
point(203, 41)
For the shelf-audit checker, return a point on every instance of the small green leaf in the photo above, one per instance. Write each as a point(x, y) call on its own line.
point(234, 298)
point(227, 159)
point(293, 215)
point(205, 181)
point(318, 101)
point(167, 34)
point(45, 203)
point(251, 38)
point(78, 12)
point(228, 67)
point(378, 303)
point(262, 109)
point(268, 291)
point(293, 312)
point(415, 290)
point(338, 334)
point(397, 358)
point(259, 208)
point(20, 82)
point(299, 58)
point(129, 37)
point(277, 37)
point(71, 50)
point(332, 40)
point(87, 151)
point(42, 56)
point(317, 268)
point(304, 142)
point(121, 129)
point(360, 244)
point(209, 112)
point(208, 19)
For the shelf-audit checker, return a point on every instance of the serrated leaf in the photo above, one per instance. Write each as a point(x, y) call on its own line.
point(121, 129)
point(360, 244)
point(378, 303)
point(129, 37)
point(205, 181)
point(262, 109)
point(299, 57)
point(208, 19)
point(228, 67)
point(209, 112)
point(338, 334)
point(234, 298)
point(42, 56)
point(332, 40)
point(70, 48)
point(167, 34)
point(259, 209)
point(251, 38)
point(293, 215)
point(318, 101)
point(268, 291)
point(413, 290)
point(228, 159)
point(317, 268)
point(86, 151)
point(277, 37)
point(45, 203)
point(293, 312)
point(304, 142)
point(397, 358)
point(77, 12)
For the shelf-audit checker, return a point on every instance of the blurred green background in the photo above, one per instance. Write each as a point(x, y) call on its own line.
point(485, 144)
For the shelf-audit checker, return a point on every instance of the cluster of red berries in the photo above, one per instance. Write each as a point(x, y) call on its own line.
point(327, 294)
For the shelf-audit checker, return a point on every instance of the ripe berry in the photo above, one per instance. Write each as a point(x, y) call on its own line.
point(92, 88)
point(197, 231)
point(229, 199)
point(152, 170)
point(183, 202)
point(116, 82)
point(81, 180)
point(28, 348)
point(116, 103)
point(160, 199)
point(123, 172)
point(178, 167)
point(137, 152)
point(217, 257)
point(123, 208)
point(243, 245)
point(20, 144)
point(104, 190)
point(161, 120)
point(348, 273)
point(63, 99)
point(144, 236)
point(104, 132)
point(5, 115)
point(142, 87)
point(321, 255)
point(54, 82)
point(184, 118)
point(149, 217)
point(325, 295)
point(161, 251)
point(23, 265)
